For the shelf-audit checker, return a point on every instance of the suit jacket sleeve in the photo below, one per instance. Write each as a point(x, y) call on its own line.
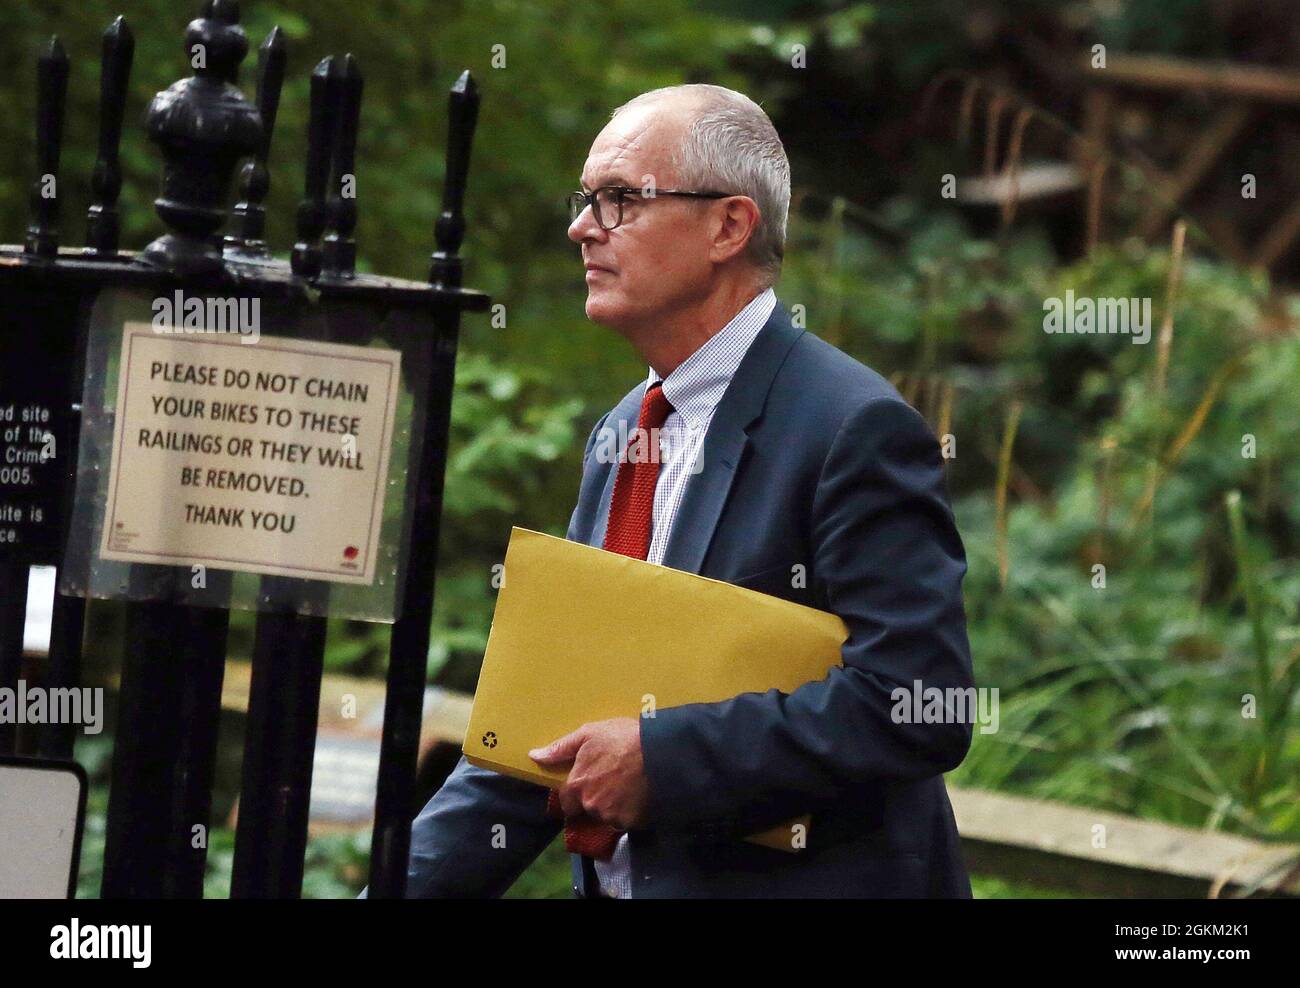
point(476, 835)
point(482, 829)
point(886, 548)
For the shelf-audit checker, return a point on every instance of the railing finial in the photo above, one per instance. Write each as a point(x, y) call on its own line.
point(255, 179)
point(306, 257)
point(340, 251)
point(449, 231)
point(204, 126)
point(102, 225)
point(51, 94)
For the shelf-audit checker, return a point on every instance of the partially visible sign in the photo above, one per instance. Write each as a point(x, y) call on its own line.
point(42, 816)
point(35, 422)
point(30, 475)
point(263, 458)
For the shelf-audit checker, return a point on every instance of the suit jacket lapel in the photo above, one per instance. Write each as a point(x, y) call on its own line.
point(724, 444)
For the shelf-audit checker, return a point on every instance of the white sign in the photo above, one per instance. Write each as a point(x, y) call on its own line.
point(270, 458)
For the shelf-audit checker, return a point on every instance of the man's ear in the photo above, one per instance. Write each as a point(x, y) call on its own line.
point(738, 221)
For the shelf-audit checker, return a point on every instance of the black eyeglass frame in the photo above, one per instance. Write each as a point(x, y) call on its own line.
point(578, 201)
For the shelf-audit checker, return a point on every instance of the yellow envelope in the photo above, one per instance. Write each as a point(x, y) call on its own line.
point(581, 634)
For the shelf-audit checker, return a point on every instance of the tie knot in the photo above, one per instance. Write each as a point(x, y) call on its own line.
point(655, 407)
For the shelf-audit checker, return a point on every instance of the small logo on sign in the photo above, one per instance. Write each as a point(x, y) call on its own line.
point(350, 552)
point(490, 739)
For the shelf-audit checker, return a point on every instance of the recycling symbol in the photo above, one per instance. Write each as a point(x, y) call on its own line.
point(490, 739)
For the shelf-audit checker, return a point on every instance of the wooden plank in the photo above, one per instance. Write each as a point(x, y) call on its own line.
point(1038, 180)
point(1160, 72)
point(1054, 844)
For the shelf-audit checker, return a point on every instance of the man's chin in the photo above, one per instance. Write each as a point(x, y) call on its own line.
point(605, 310)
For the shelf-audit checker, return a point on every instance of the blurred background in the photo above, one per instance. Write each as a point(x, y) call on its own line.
point(1130, 512)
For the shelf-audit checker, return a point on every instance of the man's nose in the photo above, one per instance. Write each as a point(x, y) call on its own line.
point(586, 228)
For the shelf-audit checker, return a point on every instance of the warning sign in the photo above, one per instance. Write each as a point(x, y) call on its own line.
point(270, 458)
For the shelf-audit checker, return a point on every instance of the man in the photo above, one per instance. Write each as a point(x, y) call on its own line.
point(787, 467)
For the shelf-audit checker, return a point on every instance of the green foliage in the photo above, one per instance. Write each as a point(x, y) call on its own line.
point(1128, 697)
point(509, 431)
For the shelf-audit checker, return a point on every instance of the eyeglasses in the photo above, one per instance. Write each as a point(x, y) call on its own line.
point(607, 202)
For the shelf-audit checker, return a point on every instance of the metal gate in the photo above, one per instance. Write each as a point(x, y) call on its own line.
point(57, 299)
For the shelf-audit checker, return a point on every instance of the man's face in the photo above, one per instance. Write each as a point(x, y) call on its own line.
point(657, 260)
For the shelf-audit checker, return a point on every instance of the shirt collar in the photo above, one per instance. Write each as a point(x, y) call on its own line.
point(698, 383)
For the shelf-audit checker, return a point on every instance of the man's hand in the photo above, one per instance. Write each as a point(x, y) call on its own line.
point(607, 780)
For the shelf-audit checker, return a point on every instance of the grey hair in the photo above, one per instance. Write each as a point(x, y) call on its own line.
point(731, 146)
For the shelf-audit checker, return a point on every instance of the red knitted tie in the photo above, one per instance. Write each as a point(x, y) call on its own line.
point(631, 516)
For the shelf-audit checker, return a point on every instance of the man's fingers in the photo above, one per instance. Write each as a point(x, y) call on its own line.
point(563, 749)
point(559, 752)
point(571, 800)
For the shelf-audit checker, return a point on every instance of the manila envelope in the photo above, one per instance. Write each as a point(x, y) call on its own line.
point(581, 634)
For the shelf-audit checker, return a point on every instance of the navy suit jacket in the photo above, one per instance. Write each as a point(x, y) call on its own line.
point(820, 484)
